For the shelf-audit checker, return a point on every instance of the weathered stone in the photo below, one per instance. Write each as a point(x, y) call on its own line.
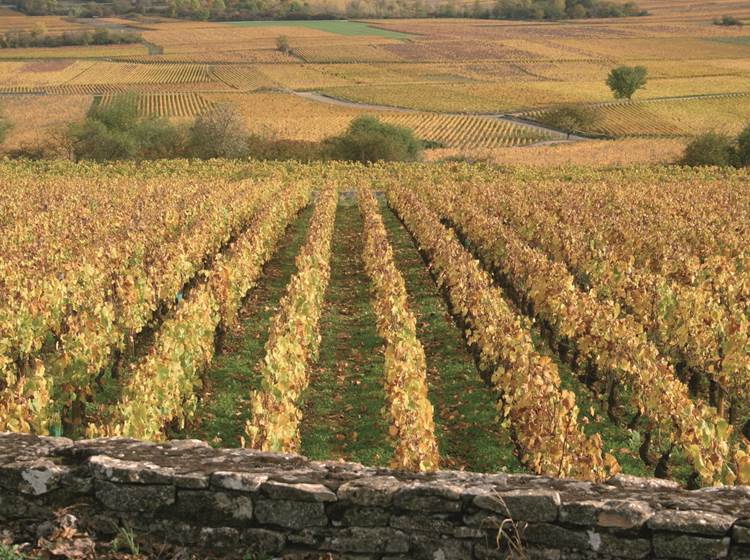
point(193, 481)
point(620, 547)
point(219, 538)
point(377, 491)
point(134, 497)
point(490, 550)
point(302, 492)
point(740, 552)
point(689, 547)
point(129, 472)
point(262, 541)
point(434, 548)
point(359, 539)
point(418, 522)
point(484, 520)
point(437, 497)
point(549, 535)
point(239, 481)
point(741, 534)
point(467, 533)
point(36, 477)
point(580, 513)
point(17, 506)
point(522, 505)
point(292, 515)
point(624, 514)
point(366, 517)
point(629, 481)
point(697, 522)
point(214, 507)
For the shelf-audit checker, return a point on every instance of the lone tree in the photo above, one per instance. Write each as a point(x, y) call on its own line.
point(282, 44)
point(219, 133)
point(624, 81)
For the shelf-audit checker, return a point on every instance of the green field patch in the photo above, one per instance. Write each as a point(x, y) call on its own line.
point(336, 26)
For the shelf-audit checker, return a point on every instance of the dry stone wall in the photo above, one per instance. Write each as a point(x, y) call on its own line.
point(242, 503)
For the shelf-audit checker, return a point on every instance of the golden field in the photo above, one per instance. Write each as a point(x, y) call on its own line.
point(437, 69)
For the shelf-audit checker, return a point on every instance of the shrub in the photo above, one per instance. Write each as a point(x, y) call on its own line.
point(219, 133)
point(728, 21)
point(711, 148)
point(743, 148)
point(624, 81)
point(569, 118)
point(5, 126)
point(115, 132)
point(367, 140)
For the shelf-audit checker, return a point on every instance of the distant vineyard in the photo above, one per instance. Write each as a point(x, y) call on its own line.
point(669, 117)
point(462, 131)
point(592, 318)
point(348, 53)
point(168, 104)
point(245, 78)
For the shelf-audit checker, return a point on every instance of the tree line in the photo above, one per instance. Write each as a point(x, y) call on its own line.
point(303, 9)
point(38, 37)
point(116, 131)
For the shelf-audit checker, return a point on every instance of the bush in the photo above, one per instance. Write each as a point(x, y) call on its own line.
point(624, 81)
point(569, 118)
point(368, 140)
point(711, 148)
point(5, 126)
point(743, 148)
point(219, 133)
point(115, 132)
point(728, 21)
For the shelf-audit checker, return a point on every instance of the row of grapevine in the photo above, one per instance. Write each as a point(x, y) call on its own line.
point(91, 299)
point(615, 346)
point(690, 325)
point(405, 364)
point(294, 338)
point(161, 388)
point(167, 104)
point(542, 417)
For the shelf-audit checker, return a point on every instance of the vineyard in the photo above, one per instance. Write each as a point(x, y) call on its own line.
point(412, 315)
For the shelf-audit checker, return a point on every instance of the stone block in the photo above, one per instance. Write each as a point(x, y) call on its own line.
point(696, 522)
point(689, 547)
point(262, 541)
point(376, 491)
point(633, 548)
point(624, 514)
point(554, 536)
point(522, 505)
point(238, 481)
point(429, 547)
point(302, 492)
point(134, 497)
point(362, 539)
point(292, 515)
point(129, 472)
point(428, 497)
point(215, 508)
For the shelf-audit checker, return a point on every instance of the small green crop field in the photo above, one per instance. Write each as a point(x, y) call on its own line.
point(337, 26)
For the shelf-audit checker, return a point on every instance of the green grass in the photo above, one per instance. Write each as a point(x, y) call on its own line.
point(336, 26)
point(345, 401)
point(469, 435)
point(221, 415)
point(745, 40)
